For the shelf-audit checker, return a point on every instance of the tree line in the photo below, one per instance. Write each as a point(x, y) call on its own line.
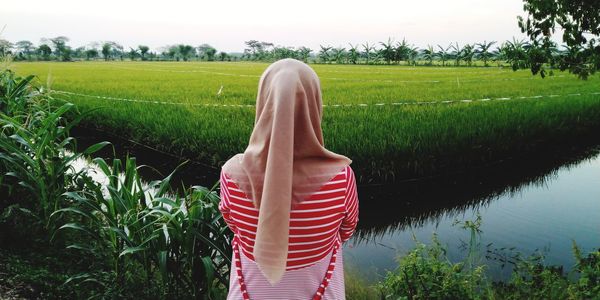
point(57, 49)
point(515, 52)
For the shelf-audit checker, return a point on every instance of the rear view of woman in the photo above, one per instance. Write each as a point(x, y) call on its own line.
point(290, 202)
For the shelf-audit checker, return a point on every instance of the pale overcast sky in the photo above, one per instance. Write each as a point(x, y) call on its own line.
point(226, 25)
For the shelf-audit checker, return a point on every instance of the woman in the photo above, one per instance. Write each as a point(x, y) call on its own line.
point(290, 202)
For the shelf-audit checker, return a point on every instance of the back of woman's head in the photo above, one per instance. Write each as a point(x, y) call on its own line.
point(285, 160)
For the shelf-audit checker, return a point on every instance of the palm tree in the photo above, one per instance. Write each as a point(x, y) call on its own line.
point(443, 54)
point(413, 54)
point(387, 52)
point(456, 53)
point(304, 53)
point(516, 54)
point(339, 55)
point(467, 54)
point(367, 53)
point(353, 54)
point(324, 53)
point(402, 51)
point(483, 51)
point(428, 54)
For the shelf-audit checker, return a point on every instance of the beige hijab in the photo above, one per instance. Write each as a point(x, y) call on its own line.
point(285, 160)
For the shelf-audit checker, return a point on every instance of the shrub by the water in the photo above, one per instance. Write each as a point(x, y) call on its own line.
point(427, 273)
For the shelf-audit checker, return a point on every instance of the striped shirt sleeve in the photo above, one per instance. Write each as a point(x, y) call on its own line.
point(224, 205)
point(351, 202)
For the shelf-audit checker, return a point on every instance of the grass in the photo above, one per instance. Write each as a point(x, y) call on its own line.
point(385, 141)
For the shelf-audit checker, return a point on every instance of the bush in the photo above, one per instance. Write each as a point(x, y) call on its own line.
point(426, 273)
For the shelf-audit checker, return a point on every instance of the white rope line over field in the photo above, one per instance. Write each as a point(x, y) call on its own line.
point(458, 79)
point(334, 105)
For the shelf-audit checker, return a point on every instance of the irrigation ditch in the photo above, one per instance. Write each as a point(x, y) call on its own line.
point(413, 201)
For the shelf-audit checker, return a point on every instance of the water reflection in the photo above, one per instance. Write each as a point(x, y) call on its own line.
point(385, 209)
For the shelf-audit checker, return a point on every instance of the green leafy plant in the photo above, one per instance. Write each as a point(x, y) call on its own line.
point(179, 241)
point(426, 273)
point(36, 150)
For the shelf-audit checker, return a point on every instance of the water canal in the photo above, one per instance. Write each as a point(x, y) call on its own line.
point(528, 205)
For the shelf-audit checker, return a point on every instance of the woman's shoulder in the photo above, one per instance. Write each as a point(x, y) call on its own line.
point(233, 164)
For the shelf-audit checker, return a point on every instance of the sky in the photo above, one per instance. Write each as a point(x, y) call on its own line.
point(227, 24)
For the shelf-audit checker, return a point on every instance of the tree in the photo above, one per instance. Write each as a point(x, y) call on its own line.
point(515, 54)
point(91, 53)
point(117, 51)
point(133, 53)
point(172, 53)
point(257, 50)
point(387, 52)
point(252, 49)
point(428, 54)
point(61, 50)
point(223, 56)
point(468, 52)
point(207, 52)
point(304, 53)
point(402, 51)
point(443, 54)
point(367, 53)
point(283, 52)
point(106, 50)
point(324, 53)
point(483, 51)
point(457, 53)
point(44, 51)
point(143, 50)
point(580, 22)
point(353, 54)
point(5, 47)
point(186, 51)
point(78, 52)
point(339, 55)
point(25, 48)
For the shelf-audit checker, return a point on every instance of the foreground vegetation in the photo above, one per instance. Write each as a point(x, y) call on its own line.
point(124, 239)
point(204, 111)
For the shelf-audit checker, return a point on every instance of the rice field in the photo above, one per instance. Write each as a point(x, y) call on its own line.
point(395, 122)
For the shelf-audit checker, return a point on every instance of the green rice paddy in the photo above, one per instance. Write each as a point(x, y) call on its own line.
point(395, 122)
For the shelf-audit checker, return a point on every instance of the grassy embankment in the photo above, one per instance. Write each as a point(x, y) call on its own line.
point(384, 139)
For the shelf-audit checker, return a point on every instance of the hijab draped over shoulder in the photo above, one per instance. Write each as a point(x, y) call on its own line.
point(285, 160)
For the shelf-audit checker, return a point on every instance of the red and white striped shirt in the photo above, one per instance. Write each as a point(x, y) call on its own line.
point(318, 226)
